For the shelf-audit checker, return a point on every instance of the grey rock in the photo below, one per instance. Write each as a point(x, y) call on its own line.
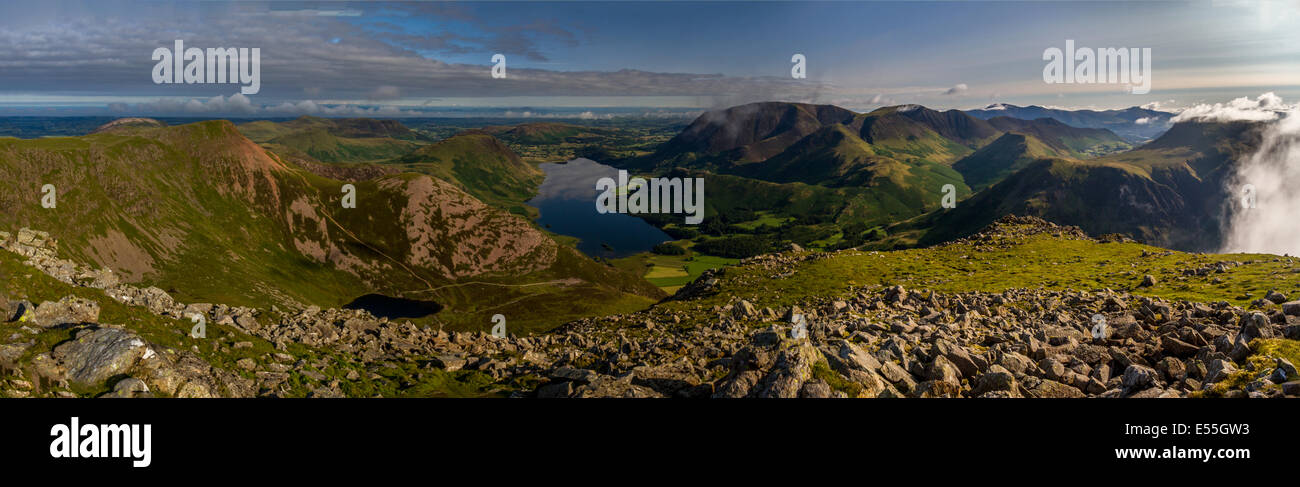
point(583, 376)
point(96, 355)
point(69, 310)
point(1137, 377)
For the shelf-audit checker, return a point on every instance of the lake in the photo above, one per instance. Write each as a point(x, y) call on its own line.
point(393, 308)
point(567, 203)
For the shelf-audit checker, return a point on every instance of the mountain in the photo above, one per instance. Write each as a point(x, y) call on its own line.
point(336, 140)
point(887, 165)
point(746, 133)
point(909, 122)
point(128, 122)
point(204, 212)
point(1169, 192)
point(722, 140)
point(537, 133)
point(768, 140)
point(1065, 139)
point(1024, 141)
point(480, 165)
point(1007, 154)
point(1134, 124)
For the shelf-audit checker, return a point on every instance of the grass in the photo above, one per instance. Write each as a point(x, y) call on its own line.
point(1260, 364)
point(822, 370)
point(671, 272)
point(1037, 261)
point(768, 218)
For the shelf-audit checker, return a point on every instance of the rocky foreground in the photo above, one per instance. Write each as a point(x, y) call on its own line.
point(869, 341)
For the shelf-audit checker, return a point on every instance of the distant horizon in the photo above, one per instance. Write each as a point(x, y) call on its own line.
point(404, 59)
point(540, 114)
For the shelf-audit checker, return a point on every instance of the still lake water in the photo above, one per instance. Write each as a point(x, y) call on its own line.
point(567, 202)
point(393, 308)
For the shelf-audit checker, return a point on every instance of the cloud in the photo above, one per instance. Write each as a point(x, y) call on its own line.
point(957, 89)
point(238, 105)
point(1155, 105)
point(1264, 203)
point(319, 56)
point(385, 92)
point(1265, 107)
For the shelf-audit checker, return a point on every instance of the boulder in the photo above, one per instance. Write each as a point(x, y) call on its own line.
point(1137, 377)
point(996, 379)
point(1275, 297)
point(97, 355)
point(1255, 325)
point(1292, 308)
point(69, 310)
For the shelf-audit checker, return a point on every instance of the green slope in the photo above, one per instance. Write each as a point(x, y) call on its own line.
point(206, 214)
point(480, 165)
point(1170, 192)
point(997, 160)
point(1015, 254)
point(1070, 141)
point(336, 140)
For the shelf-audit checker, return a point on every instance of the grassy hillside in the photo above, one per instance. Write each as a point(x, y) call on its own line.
point(548, 133)
point(480, 165)
point(209, 216)
point(1017, 256)
point(336, 140)
point(1002, 157)
point(1072, 141)
point(1170, 192)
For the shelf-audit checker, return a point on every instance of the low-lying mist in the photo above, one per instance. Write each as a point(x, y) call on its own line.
point(1264, 213)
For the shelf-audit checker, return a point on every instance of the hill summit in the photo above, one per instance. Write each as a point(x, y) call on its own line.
point(128, 122)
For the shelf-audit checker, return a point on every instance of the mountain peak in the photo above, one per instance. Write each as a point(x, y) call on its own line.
point(128, 122)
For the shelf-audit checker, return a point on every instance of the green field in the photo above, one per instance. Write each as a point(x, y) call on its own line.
point(671, 272)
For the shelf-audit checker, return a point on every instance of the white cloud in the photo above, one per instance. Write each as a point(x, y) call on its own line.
point(1156, 105)
point(957, 89)
point(1264, 203)
point(1263, 108)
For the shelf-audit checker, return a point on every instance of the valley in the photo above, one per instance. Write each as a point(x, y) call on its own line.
point(810, 210)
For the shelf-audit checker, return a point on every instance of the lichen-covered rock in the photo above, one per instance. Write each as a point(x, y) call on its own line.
point(69, 310)
point(96, 355)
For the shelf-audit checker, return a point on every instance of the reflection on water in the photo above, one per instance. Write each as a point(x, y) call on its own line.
point(567, 202)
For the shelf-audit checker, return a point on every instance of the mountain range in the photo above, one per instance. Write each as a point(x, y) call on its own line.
point(336, 140)
point(194, 208)
point(1134, 124)
point(889, 166)
point(255, 237)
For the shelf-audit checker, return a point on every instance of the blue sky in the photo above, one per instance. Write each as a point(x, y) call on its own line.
point(339, 58)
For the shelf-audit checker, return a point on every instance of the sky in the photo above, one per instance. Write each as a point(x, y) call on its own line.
point(650, 58)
